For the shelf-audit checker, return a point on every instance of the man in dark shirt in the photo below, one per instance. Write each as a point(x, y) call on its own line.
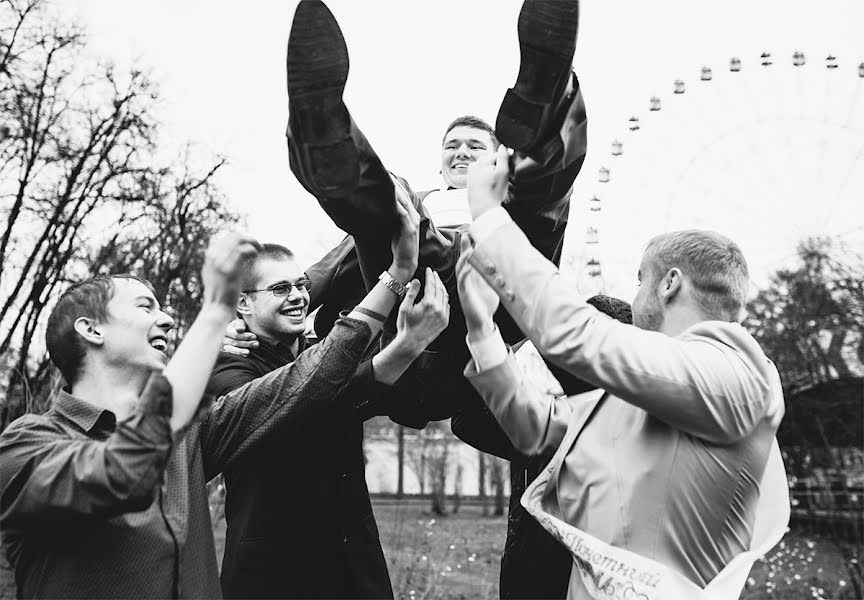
point(104, 495)
point(300, 522)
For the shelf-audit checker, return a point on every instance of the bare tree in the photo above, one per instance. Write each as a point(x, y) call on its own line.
point(481, 480)
point(496, 474)
point(438, 470)
point(417, 457)
point(400, 456)
point(73, 140)
point(76, 173)
point(457, 487)
point(164, 237)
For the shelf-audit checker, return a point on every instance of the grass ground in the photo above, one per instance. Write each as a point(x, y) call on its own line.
point(457, 557)
point(454, 557)
point(432, 558)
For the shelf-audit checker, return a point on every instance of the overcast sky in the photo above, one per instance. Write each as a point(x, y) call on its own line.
point(766, 155)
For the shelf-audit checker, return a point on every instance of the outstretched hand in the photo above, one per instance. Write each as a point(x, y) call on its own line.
point(488, 182)
point(417, 325)
point(479, 300)
point(406, 242)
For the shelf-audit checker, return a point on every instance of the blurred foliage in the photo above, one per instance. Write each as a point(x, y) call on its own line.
point(810, 318)
point(810, 322)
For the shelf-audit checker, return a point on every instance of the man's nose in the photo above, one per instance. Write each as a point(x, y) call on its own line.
point(295, 293)
point(165, 321)
point(463, 150)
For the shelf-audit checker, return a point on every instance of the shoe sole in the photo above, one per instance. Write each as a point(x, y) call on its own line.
point(547, 41)
point(317, 70)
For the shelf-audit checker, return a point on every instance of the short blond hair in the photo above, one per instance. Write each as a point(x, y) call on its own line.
point(712, 262)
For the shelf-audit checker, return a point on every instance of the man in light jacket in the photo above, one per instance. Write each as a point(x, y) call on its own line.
point(665, 462)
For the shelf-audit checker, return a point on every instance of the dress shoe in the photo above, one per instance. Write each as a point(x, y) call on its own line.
point(534, 106)
point(317, 69)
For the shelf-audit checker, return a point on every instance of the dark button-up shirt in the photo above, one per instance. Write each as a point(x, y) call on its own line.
point(92, 508)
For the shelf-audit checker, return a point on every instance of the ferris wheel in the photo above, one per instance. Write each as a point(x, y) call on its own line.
point(767, 150)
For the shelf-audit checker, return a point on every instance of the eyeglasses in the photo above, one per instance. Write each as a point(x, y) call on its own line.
point(283, 289)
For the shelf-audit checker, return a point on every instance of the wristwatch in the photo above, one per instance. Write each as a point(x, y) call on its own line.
point(396, 287)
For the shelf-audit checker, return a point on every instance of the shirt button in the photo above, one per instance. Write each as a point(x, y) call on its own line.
point(344, 475)
point(499, 281)
point(345, 539)
point(490, 269)
point(510, 296)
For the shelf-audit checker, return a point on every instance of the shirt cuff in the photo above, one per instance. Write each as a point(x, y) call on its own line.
point(489, 352)
point(485, 225)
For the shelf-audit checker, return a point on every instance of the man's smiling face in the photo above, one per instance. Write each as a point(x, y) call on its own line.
point(135, 333)
point(278, 317)
point(462, 146)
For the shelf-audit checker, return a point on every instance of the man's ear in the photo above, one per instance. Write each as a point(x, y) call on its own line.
point(244, 305)
point(671, 284)
point(87, 329)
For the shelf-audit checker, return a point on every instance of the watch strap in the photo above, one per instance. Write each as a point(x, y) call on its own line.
point(396, 287)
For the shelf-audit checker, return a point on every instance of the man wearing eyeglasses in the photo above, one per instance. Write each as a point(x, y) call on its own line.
point(300, 522)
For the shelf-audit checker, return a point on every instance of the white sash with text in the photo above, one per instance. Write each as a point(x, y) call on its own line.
point(611, 573)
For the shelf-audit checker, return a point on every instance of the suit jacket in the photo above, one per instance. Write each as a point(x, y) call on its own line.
point(300, 522)
point(667, 462)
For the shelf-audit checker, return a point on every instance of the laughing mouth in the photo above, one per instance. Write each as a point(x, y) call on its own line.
point(293, 312)
point(160, 344)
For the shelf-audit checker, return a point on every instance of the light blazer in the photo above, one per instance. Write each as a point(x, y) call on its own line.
point(667, 461)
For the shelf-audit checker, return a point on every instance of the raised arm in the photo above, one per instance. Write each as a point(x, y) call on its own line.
point(285, 400)
point(713, 381)
point(392, 392)
point(47, 475)
point(533, 421)
point(189, 368)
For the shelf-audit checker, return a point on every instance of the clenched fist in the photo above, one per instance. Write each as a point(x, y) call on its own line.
point(488, 182)
point(224, 262)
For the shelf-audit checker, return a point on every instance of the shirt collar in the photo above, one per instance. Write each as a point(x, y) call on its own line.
point(84, 414)
point(280, 349)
